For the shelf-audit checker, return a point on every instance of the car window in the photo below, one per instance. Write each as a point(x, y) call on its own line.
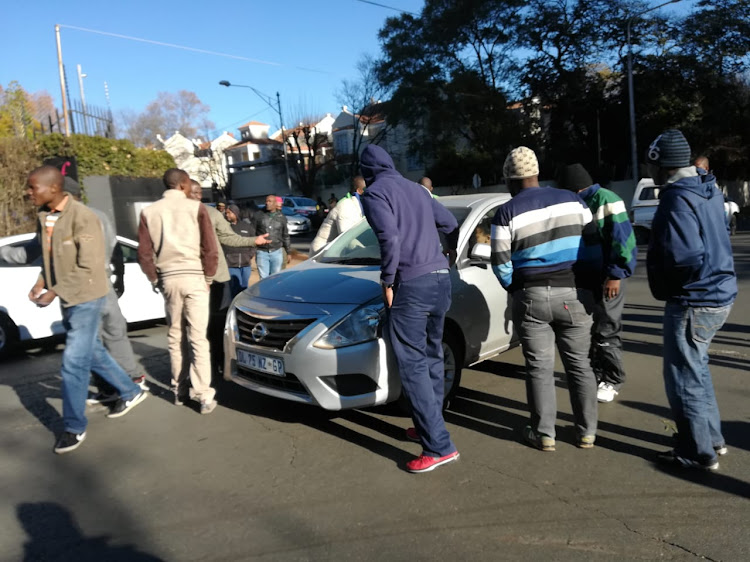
point(649, 194)
point(21, 254)
point(304, 202)
point(288, 203)
point(129, 254)
point(287, 211)
point(483, 230)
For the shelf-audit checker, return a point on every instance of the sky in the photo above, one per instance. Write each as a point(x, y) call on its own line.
point(303, 49)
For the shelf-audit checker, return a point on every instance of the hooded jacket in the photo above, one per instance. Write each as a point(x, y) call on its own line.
point(689, 256)
point(405, 219)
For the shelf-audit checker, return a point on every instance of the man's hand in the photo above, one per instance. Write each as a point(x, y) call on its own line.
point(388, 296)
point(262, 240)
point(611, 288)
point(36, 292)
point(45, 299)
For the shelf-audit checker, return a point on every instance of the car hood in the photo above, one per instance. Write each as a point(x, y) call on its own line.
point(320, 283)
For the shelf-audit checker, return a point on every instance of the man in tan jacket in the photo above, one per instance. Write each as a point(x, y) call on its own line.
point(178, 253)
point(74, 269)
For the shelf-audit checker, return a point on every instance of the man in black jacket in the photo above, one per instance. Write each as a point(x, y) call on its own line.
point(273, 222)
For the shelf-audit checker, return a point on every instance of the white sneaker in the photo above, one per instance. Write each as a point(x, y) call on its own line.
point(606, 392)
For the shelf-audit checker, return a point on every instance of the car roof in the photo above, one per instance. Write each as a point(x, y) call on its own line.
point(470, 200)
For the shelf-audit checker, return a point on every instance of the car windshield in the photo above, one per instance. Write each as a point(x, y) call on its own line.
point(649, 194)
point(359, 245)
point(304, 202)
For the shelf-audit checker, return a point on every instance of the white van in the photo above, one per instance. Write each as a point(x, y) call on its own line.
point(643, 208)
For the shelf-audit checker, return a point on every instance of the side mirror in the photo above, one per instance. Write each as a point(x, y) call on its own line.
point(480, 252)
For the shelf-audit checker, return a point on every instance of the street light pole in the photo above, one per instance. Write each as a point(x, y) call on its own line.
point(66, 120)
point(631, 96)
point(277, 109)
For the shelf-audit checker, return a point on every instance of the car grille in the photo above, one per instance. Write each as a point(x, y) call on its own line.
point(288, 382)
point(279, 332)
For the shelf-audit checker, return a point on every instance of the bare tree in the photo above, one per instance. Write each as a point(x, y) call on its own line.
point(306, 146)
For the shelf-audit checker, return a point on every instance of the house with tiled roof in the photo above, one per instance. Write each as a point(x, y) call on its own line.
point(253, 148)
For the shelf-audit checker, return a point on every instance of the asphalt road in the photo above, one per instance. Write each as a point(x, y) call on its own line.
point(262, 479)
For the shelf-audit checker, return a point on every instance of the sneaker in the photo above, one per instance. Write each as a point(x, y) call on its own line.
point(538, 440)
point(141, 381)
point(208, 407)
point(721, 450)
point(412, 435)
point(68, 442)
point(424, 463)
point(102, 398)
point(671, 458)
point(586, 442)
point(606, 392)
point(122, 407)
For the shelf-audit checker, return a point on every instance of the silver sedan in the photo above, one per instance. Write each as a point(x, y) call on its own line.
point(312, 333)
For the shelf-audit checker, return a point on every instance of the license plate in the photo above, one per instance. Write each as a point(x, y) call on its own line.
point(260, 363)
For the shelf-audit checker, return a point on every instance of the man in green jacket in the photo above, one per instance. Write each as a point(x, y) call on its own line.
point(74, 269)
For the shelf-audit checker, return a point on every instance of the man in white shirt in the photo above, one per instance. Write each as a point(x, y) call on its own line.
point(346, 213)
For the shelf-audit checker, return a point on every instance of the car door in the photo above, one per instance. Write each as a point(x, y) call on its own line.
point(138, 302)
point(483, 302)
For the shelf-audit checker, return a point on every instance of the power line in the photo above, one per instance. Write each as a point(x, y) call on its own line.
point(387, 7)
point(192, 49)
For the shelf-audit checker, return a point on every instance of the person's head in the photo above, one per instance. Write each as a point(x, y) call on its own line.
point(44, 186)
point(174, 178)
point(521, 169)
point(426, 182)
point(233, 213)
point(702, 163)
point(668, 153)
point(575, 178)
point(279, 203)
point(271, 202)
point(72, 188)
point(221, 206)
point(358, 185)
point(196, 191)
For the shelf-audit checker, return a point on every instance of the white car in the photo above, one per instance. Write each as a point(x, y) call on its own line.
point(301, 205)
point(643, 208)
point(311, 333)
point(21, 320)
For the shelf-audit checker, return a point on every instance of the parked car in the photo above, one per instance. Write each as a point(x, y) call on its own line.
point(296, 223)
point(312, 333)
point(301, 205)
point(21, 320)
point(643, 208)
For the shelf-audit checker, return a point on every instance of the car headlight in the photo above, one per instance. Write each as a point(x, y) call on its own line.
point(359, 326)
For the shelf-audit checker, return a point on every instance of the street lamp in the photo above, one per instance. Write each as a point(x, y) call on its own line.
point(277, 108)
point(633, 144)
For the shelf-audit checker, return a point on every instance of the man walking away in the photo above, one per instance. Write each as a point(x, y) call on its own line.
point(417, 292)
point(618, 253)
point(690, 266)
point(536, 240)
point(74, 268)
point(178, 253)
point(345, 215)
point(272, 222)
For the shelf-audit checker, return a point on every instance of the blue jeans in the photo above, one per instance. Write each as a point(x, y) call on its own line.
point(544, 316)
point(414, 331)
point(83, 354)
point(268, 262)
point(688, 332)
point(239, 278)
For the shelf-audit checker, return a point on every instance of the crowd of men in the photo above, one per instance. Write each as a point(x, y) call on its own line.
point(564, 256)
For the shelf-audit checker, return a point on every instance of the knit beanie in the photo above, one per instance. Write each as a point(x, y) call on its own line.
point(669, 150)
point(71, 186)
point(520, 163)
point(235, 209)
point(575, 178)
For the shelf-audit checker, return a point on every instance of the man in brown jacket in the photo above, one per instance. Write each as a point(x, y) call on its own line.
point(178, 253)
point(74, 269)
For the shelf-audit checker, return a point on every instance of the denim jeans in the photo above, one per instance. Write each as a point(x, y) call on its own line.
point(239, 278)
point(83, 354)
point(414, 330)
point(688, 332)
point(543, 316)
point(606, 339)
point(268, 262)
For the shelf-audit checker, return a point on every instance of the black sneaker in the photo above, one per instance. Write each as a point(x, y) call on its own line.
point(102, 398)
point(721, 450)
point(122, 407)
point(671, 458)
point(69, 442)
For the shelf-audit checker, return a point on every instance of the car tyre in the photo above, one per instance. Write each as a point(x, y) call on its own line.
point(9, 336)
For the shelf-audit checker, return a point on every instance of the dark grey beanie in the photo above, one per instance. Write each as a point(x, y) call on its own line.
point(575, 178)
point(669, 150)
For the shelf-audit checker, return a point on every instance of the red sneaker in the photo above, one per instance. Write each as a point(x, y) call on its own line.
point(412, 435)
point(424, 463)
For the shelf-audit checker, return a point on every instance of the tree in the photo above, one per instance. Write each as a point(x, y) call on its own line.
point(183, 112)
point(305, 149)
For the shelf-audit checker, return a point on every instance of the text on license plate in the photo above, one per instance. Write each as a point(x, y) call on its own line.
point(260, 363)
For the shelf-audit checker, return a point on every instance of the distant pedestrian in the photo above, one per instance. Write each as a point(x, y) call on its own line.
point(417, 293)
point(272, 221)
point(239, 259)
point(730, 207)
point(74, 268)
point(332, 201)
point(690, 266)
point(618, 255)
point(345, 215)
point(179, 254)
point(221, 206)
point(427, 184)
point(536, 240)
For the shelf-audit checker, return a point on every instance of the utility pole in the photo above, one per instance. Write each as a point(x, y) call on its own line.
point(81, 76)
point(62, 81)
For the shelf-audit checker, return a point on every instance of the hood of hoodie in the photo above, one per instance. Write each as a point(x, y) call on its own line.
point(695, 180)
point(376, 162)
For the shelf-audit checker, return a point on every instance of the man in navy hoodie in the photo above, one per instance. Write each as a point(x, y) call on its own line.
point(690, 266)
point(417, 291)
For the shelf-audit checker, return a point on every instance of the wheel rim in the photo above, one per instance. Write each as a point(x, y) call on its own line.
point(449, 366)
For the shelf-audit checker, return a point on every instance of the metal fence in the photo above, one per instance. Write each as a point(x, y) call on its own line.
point(84, 120)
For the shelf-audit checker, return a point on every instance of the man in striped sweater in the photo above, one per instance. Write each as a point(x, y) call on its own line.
point(536, 240)
point(618, 253)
